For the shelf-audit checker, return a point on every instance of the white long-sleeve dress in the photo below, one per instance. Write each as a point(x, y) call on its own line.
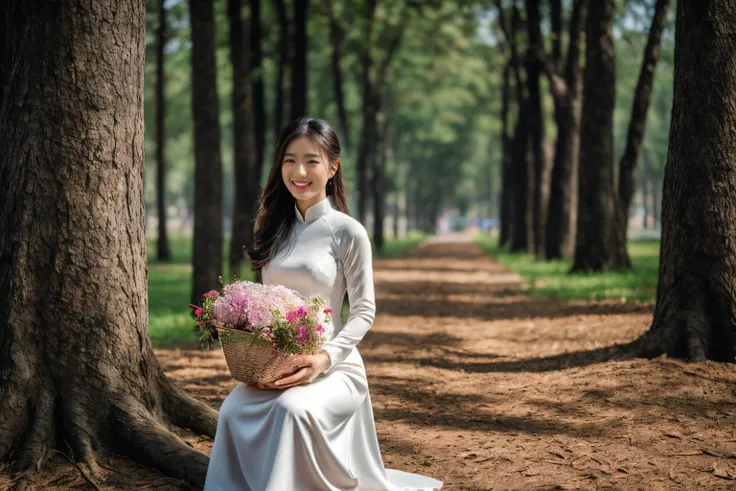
point(320, 436)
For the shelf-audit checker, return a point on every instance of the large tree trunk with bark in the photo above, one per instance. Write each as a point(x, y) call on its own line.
point(281, 64)
point(539, 175)
point(260, 122)
point(598, 246)
point(208, 233)
point(567, 94)
point(246, 186)
point(637, 123)
point(695, 315)
point(299, 65)
point(77, 372)
point(163, 253)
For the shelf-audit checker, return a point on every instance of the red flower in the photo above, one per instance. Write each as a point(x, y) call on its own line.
point(328, 310)
point(198, 312)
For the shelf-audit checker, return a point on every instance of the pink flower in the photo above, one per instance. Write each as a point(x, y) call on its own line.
point(291, 317)
point(302, 336)
point(328, 310)
point(211, 293)
point(320, 329)
point(198, 312)
point(301, 312)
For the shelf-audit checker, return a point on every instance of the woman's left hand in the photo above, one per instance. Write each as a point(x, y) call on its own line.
point(311, 367)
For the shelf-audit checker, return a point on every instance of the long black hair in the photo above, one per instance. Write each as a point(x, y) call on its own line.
point(276, 217)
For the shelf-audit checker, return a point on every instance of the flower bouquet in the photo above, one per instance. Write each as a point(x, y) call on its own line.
point(259, 326)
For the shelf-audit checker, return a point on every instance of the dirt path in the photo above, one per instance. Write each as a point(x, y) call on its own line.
point(471, 384)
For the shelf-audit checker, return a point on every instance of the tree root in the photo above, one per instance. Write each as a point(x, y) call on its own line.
point(39, 436)
point(185, 411)
point(88, 473)
point(147, 441)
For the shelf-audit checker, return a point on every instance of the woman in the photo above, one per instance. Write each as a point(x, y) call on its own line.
point(313, 430)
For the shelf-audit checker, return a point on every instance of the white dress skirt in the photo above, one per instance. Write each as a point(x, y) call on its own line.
point(318, 436)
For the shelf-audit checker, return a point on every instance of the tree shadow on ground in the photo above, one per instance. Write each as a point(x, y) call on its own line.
point(562, 361)
point(498, 306)
point(441, 350)
point(463, 411)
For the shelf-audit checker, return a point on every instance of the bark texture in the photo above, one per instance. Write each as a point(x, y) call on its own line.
point(368, 134)
point(695, 315)
point(163, 253)
point(539, 171)
point(598, 246)
point(256, 73)
point(299, 64)
point(281, 67)
point(337, 34)
point(567, 95)
point(506, 162)
point(76, 365)
point(246, 185)
point(208, 230)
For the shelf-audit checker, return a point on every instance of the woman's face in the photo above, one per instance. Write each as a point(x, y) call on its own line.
point(305, 171)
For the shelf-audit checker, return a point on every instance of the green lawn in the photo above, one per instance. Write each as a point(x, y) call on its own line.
point(169, 286)
point(552, 278)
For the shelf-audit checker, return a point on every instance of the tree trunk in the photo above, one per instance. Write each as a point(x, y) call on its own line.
point(645, 200)
point(695, 315)
point(368, 131)
point(337, 34)
point(598, 246)
point(77, 372)
point(378, 188)
point(656, 202)
point(637, 123)
point(563, 202)
point(281, 64)
point(258, 93)
point(521, 239)
point(378, 206)
point(246, 187)
point(162, 247)
point(397, 214)
point(555, 8)
point(507, 186)
point(207, 253)
point(299, 64)
point(539, 177)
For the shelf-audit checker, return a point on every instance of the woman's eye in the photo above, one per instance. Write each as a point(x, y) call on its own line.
point(289, 161)
point(313, 162)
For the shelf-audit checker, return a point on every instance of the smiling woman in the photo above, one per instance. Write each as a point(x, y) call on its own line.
point(306, 170)
point(313, 429)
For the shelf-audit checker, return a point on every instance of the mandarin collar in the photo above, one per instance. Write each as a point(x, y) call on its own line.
point(313, 212)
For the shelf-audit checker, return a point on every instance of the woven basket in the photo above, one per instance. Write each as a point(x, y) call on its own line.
point(253, 361)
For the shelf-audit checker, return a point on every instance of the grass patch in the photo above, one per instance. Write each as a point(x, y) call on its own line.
point(169, 287)
point(396, 247)
point(552, 278)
